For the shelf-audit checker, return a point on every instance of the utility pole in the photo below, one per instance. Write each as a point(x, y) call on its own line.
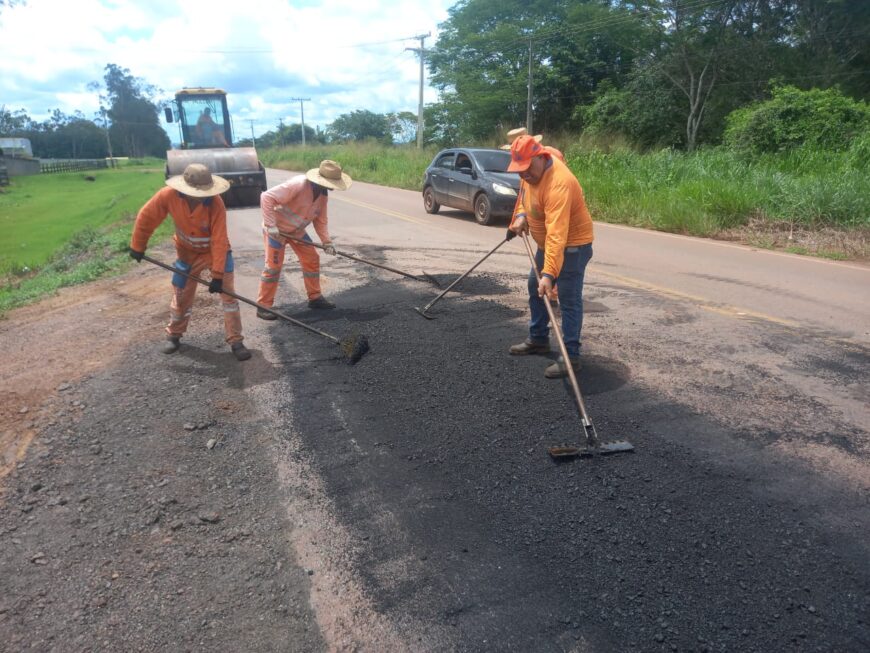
point(302, 112)
point(422, 52)
point(529, 99)
point(281, 130)
point(253, 140)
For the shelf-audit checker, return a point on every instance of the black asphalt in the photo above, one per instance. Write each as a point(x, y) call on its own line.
point(433, 448)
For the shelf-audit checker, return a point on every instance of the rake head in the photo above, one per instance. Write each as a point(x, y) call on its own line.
point(354, 347)
point(424, 313)
point(602, 449)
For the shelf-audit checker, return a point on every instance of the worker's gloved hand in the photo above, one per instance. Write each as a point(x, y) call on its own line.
point(329, 248)
point(136, 255)
point(216, 285)
point(520, 224)
point(510, 235)
point(274, 234)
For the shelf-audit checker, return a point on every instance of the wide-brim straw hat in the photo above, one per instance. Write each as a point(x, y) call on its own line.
point(197, 181)
point(512, 137)
point(329, 175)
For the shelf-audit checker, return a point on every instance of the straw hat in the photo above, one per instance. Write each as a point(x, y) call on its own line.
point(329, 175)
point(197, 181)
point(514, 134)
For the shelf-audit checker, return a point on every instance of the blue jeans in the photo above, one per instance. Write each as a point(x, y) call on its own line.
point(570, 289)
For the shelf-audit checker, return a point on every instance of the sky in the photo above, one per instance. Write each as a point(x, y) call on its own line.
point(342, 54)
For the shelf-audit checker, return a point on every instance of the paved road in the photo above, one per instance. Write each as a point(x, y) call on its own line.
point(432, 510)
point(797, 291)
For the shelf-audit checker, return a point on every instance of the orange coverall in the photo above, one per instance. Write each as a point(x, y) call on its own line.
point(201, 243)
point(291, 207)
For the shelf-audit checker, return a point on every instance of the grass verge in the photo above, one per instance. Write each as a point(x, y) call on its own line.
point(61, 230)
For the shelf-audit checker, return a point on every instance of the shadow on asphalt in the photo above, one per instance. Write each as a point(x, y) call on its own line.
point(437, 464)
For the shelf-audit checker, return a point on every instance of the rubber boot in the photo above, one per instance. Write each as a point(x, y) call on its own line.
point(265, 315)
point(240, 351)
point(320, 302)
point(171, 345)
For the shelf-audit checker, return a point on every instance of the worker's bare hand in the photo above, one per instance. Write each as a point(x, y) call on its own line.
point(545, 285)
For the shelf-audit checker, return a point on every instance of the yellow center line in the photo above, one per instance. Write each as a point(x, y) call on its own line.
point(701, 302)
point(380, 209)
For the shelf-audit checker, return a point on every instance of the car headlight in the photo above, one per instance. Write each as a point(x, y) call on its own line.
point(501, 189)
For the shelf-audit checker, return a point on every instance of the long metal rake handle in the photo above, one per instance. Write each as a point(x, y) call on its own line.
point(355, 258)
point(268, 309)
point(465, 274)
point(588, 426)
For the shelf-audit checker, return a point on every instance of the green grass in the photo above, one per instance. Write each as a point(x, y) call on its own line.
point(60, 230)
point(713, 190)
point(40, 213)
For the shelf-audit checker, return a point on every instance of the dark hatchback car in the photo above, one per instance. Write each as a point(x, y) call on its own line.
point(472, 180)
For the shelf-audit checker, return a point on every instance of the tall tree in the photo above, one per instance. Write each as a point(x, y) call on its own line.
point(135, 124)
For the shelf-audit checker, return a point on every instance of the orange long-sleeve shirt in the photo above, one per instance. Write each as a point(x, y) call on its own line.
point(291, 207)
point(202, 230)
point(557, 214)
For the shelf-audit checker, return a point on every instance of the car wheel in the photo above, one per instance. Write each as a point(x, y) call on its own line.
point(429, 202)
point(482, 209)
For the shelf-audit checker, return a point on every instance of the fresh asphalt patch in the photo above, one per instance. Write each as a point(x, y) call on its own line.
point(434, 450)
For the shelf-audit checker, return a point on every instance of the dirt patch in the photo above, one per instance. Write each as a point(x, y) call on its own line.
point(57, 342)
point(829, 242)
point(141, 509)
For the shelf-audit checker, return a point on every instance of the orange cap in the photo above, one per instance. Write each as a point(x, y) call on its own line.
point(523, 150)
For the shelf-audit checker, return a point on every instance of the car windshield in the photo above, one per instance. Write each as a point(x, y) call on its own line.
point(493, 161)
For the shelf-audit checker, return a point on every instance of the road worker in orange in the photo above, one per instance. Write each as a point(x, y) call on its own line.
point(513, 135)
point(288, 209)
point(553, 211)
point(200, 217)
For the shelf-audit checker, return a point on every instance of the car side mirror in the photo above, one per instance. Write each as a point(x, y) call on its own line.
point(473, 173)
point(167, 112)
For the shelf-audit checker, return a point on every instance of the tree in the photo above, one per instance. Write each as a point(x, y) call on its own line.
point(360, 125)
point(823, 119)
point(403, 126)
point(134, 118)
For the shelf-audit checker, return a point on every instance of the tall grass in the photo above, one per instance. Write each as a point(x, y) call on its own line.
point(716, 189)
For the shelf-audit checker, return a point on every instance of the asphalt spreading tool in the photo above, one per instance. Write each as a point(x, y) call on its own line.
point(593, 445)
point(353, 347)
point(424, 311)
point(428, 278)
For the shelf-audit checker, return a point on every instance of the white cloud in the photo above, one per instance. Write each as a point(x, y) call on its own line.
point(343, 54)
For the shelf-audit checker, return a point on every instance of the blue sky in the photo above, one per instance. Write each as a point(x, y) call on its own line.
point(343, 54)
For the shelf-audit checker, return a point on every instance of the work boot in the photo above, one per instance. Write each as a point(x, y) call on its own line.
point(558, 369)
point(528, 347)
point(266, 315)
point(320, 302)
point(171, 345)
point(240, 351)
